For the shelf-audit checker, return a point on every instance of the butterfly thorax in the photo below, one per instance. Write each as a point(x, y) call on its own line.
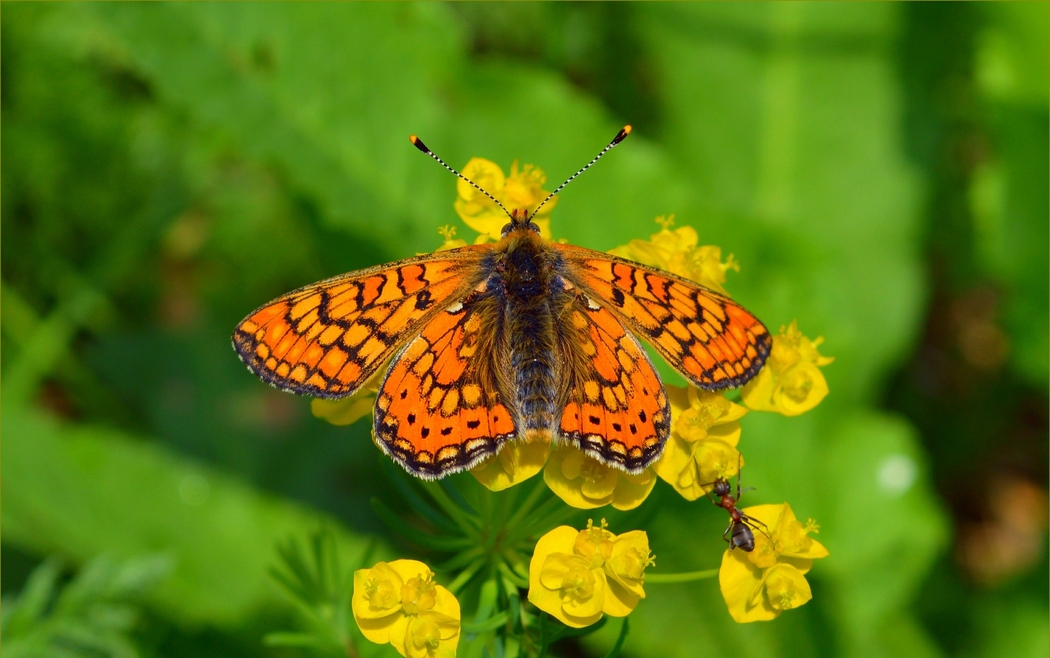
point(525, 282)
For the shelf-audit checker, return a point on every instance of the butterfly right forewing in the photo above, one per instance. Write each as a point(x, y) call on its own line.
point(713, 341)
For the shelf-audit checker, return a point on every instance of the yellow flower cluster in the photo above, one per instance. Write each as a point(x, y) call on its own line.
point(702, 447)
point(759, 585)
point(515, 463)
point(791, 382)
point(348, 410)
point(579, 575)
point(585, 483)
point(399, 603)
point(521, 189)
point(677, 252)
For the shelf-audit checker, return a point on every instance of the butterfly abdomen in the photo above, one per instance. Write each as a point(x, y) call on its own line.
point(526, 278)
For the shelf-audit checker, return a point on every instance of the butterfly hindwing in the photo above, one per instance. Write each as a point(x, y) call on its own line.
point(438, 411)
point(617, 409)
point(329, 338)
point(713, 341)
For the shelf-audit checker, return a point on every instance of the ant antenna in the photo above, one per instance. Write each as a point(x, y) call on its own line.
point(620, 136)
point(418, 143)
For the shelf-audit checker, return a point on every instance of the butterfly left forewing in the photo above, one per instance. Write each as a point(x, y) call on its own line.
point(438, 409)
point(616, 408)
point(713, 341)
point(327, 339)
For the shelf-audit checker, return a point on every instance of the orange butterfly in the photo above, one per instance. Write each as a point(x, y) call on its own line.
point(522, 338)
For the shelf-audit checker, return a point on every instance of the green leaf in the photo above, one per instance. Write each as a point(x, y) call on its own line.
point(58, 481)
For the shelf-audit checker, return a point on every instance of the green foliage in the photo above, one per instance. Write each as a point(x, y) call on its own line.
point(72, 490)
point(90, 616)
point(315, 581)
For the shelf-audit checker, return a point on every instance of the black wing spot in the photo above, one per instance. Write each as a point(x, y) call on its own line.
point(424, 300)
point(473, 424)
point(425, 432)
point(618, 297)
point(641, 416)
point(445, 431)
point(404, 394)
point(634, 430)
point(594, 420)
point(617, 427)
point(411, 419)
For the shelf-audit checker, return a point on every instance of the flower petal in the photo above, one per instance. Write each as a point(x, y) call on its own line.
point(626, 565)
point(516, 462)
point(377, 592)
point(785, 587)
point(738, 579)
point(558, 542)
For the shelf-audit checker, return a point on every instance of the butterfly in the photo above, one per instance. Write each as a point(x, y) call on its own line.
point(521, 339)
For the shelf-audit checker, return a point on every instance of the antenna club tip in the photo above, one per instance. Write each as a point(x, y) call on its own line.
point(622, 135)
point(418, 143)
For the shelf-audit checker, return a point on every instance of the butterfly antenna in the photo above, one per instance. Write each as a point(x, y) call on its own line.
point(620, 136)
point(418, 143)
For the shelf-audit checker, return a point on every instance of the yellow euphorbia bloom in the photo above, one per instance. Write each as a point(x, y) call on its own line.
point(522, 189)
point(702, 445)
point(451, 241)
point(578, 575)
point(516, 462)
point(346, 411)
point(790, 383)
point(759, 585)
point(399, 603)
point(677, 252)
point(585, 483)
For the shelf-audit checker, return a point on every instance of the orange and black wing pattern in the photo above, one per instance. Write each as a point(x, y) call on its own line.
point(329, 338)
point(713, 341)
point(438, 409)
point(617, 409)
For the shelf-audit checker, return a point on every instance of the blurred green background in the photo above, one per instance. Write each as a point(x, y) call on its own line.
point(880, 171)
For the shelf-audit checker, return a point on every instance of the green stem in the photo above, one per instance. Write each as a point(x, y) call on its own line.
point(469, 524)
point(464, 577)
point(618, 647)
point(527, 505)
point(687, 577)
point(490, 624)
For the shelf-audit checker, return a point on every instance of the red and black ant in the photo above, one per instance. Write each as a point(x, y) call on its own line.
point(738, 534)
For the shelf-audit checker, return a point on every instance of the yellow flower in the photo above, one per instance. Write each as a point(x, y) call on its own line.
point(677, 252)
point(790, 383)
point(759, 585)
point(514, 463)
point(702, 445)
point(449, 232)
point(399, 603)
point(346, 411)
point(522, 189)
point(579, 575)
point(585, 483)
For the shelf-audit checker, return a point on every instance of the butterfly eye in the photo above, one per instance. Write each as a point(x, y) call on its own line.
point(507, 228)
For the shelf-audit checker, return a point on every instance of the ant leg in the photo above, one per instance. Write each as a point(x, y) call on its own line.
point(756, 524)
point(726, 539)
point(739, 467)
point(696, 467)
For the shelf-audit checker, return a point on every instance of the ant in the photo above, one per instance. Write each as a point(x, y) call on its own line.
point(738, 534)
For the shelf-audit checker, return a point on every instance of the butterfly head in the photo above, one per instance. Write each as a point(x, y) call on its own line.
point(520, 220)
